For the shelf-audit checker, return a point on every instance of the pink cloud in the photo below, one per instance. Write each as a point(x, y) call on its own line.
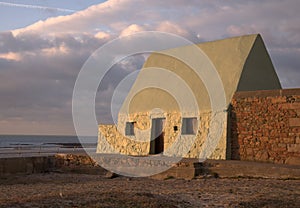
point(11, 56)
point(170, 27)
point(134, 28)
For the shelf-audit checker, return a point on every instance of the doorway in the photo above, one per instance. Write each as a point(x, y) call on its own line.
point(157, 136)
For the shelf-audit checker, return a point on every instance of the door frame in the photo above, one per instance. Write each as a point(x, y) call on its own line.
point(157, 136)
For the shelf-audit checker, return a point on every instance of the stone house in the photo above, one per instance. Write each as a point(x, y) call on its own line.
point(158, 118)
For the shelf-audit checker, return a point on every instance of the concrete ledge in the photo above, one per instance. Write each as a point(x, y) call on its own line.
point(266, 93)
point(57, 163)
point(187, 168)
point(26, 165)
point(236, 169)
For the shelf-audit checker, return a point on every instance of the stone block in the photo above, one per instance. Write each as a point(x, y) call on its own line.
point(279, 161)
point(283, 135)
point(294, 122)
point(289, 140)
point(295, 130)
point(290, 92)
point(293, 161)
point(257, 94)
point(249, 151)
point(290, 106)
point(294, 148)
point(282, 145)
point(262, 156)
point(276, 148)
point(264, 139)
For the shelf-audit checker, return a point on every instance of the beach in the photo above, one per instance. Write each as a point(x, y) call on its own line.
point(83, 190)
point(76, 181)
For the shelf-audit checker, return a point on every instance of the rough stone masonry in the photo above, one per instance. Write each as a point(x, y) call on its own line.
point(265, 126)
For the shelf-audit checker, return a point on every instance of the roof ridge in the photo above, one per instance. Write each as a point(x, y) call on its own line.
point(256, 35)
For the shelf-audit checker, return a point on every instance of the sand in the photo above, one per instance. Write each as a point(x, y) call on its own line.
point(82, 190)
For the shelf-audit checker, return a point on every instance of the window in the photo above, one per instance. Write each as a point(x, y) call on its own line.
point(129, 129)
point(189, 126)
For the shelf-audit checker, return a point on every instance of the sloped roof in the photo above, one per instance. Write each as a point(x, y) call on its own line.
point(243, 64)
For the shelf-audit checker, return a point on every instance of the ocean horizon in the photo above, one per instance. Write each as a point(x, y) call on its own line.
point(36, 145)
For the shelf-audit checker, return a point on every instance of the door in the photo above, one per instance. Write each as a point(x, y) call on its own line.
point(157, 136)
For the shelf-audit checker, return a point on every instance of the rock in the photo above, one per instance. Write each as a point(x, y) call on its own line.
point(111, 175)
point(293, 161)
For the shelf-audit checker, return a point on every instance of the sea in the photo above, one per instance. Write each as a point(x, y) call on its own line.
point(39, 145)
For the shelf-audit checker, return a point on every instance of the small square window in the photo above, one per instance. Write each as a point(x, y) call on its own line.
point(189, 126)
point(129, 129)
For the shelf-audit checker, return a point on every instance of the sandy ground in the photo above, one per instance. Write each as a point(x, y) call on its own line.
point(81, 190)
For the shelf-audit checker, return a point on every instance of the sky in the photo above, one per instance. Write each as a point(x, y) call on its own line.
point(44, 44)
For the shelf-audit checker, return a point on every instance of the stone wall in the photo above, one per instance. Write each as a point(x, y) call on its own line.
point(26, 165)
point(265, 126)
point(79, 163)
point(111, 138)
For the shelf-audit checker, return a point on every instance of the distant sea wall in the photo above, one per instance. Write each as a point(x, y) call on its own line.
point(265, 126)
point(78, 163)
point(26, 165)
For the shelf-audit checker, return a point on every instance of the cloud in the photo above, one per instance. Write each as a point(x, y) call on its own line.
point(86, 20)
point(28, 6)
point(134, 28)
point(102, 35)
point(26, 42)
point(39, 63)
point(110, 82)
point(241, 30)
point(10, 56)
point(167, 26)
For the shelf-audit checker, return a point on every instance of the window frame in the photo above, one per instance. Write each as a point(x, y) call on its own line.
point(189, 126)
point(129, 128)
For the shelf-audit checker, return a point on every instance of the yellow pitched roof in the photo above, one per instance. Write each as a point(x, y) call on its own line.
point(243, 64)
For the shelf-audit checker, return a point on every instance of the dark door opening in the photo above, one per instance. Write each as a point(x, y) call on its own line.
point(157, 136)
